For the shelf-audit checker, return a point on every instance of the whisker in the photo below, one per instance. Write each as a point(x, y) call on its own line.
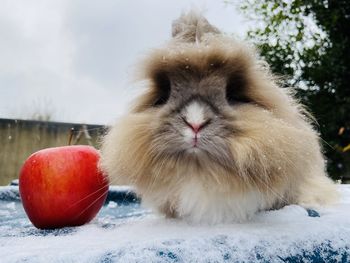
point(87, 196)
point(327, 143)
point(92, 203)
point(272, 191)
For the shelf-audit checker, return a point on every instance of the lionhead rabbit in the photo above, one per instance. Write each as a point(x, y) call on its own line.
point(214, 138)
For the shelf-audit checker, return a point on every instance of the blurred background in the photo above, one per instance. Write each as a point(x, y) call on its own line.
point(66, 67)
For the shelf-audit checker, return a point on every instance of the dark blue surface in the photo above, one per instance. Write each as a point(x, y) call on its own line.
point(122, 204)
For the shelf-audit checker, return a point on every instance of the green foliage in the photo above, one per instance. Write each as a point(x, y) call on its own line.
point(309, 42)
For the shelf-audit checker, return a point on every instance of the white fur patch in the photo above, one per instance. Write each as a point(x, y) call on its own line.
point(200, 204)
point(194, 113)
point(188, 135)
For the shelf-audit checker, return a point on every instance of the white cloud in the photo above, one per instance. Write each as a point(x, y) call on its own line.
point(79, 55)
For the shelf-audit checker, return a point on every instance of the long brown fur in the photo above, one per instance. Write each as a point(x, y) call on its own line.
point(265, 153)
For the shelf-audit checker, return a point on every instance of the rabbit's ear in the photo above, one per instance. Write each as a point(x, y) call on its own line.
point(191, 27)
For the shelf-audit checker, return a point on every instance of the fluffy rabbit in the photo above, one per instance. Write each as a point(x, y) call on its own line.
point(214, 138)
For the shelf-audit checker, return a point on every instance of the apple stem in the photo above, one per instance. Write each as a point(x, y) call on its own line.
point(71, 133)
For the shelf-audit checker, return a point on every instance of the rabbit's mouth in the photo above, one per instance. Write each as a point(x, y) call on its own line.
point(193, 139)
point(203, 155)
point(202, 149)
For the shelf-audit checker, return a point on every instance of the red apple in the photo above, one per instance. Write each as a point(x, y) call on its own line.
point(62, 186)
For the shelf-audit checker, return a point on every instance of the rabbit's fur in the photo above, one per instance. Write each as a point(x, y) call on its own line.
point(256, 150)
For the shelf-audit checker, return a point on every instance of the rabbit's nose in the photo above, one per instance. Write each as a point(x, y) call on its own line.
point(196, 127)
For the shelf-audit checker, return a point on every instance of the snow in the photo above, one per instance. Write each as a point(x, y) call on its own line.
point(125, 232)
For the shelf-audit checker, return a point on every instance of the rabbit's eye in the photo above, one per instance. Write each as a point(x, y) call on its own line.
point(163, 89)
point(235, 90)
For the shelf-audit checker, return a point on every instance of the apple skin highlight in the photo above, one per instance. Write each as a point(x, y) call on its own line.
point(62, 186)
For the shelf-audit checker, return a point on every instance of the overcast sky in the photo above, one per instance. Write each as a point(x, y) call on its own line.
point(75, 59)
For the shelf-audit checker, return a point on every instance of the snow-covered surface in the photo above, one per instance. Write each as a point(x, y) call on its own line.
point(124, 232)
